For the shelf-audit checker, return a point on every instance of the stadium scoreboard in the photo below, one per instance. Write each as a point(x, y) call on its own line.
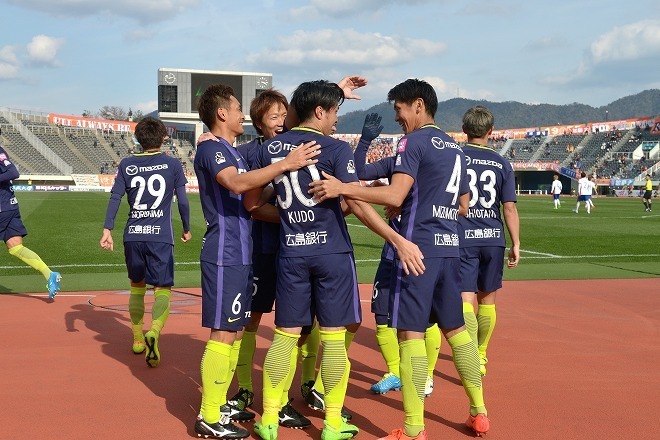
point(179, 89)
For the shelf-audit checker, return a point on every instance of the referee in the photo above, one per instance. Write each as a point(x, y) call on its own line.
point(648, 193)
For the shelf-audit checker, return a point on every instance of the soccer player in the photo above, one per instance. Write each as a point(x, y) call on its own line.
point(648, 193)
point(555, 190)
point(316, 266)
point(585, 189)
point(267, 111)
point(149, 180)
point(481, 232)
point(428, 183)
point(386, 336)
point(12, 229)
point(226, 254)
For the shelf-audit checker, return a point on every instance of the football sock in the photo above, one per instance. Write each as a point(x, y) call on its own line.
point(289, 378)
point(470, 320)
point(432, 340)
point(214, 369)
point(335, 368)
point(30, 258)
point(486, 317)
point(389, 347)
point(277, 366)
point(136, 311)
point(245, 359)
point(466, 360)
point(413, 380)
point(309, 353)
point(318, 384)
point(161, 308)
point(577, 207)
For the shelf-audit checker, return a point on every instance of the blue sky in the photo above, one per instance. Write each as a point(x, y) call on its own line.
point(67, 56)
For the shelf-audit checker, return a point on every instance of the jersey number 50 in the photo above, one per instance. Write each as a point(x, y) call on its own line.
point(292, 186)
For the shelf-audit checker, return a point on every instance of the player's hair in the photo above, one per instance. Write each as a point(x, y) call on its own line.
point(411, 89)
point(478, 121)
point(648, 175)
point(556, 176)
point(262, 103)
point(150, 133)
point(312, 94)
point(583, 174)
point(214, 97)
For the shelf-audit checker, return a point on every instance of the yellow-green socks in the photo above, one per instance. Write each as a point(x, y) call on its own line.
point(318, 384)
point(136, 312)
point(214, 369)
point(277, 366)
point(245, 359)
point(289, 378)
point(335, 369)
point(470, 320)
point(30, 258)
point(486, 317)
point(160, 309)
point(308, 353)
point(413, 379)
point(433, 341)
point(466, 360)
point(389, 347)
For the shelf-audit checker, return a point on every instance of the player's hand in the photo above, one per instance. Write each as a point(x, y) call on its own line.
point(329, 188)
point(410, 256)
point(392, 212)
point(301, 156)
point(514, 257)
point(186, 236)
point(371, 128)
point(208, 136)
point(351, 83)
point(106, 240)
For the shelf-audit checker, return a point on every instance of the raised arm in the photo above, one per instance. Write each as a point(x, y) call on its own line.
point(242, 183)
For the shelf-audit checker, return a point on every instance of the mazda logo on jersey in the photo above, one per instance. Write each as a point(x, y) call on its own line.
point(438, 143)
point(132, 170)
point(275, 147)
point(468, 160)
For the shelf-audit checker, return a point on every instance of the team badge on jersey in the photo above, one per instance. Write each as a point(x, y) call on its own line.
point(219, 158)
point(398, 160)
point(401, 147)
point(350, 167)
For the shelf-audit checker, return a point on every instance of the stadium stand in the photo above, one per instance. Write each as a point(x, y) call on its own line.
point(522, 150)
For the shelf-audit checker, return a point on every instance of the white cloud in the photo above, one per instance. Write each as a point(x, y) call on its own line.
point(145, 107)
point(629, 42)
point(43, 50)
point(146, 11)
point(8, 63)
point(346, 8)
point(346, 47)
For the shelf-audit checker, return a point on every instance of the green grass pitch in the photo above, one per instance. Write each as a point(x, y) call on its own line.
point(617, 240)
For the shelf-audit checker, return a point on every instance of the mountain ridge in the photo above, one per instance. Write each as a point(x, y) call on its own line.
point(513, 114)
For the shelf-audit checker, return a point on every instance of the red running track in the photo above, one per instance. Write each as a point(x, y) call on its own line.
point(569, 360)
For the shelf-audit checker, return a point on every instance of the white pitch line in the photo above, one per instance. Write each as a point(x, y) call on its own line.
point(541, 253)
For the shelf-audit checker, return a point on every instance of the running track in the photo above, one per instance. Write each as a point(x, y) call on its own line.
point(569, 360)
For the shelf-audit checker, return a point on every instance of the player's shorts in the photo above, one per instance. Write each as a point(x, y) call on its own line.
point(583, 198)
point(555, 196)
point(226, 296)
point(648, 194)
point(264, 274)
point(380, 298)
point(481, 268)
point(11, 225)
point(321, 285)
point(150, 261)
point(434, 296)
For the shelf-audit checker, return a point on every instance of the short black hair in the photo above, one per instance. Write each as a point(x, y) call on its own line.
point(583, 174)
point(150, 133)
point(312, 94)
point(214, 97)
point(411, 89)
